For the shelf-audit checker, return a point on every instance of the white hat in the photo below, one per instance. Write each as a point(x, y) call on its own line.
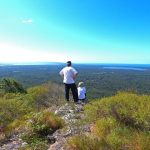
point(81, 84)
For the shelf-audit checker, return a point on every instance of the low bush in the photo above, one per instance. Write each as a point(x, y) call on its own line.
point(46, 95)
point(83, 143)
point(121, 122)
point(9, 85)
point(17, 108)
point(41, 124)
point(44, 123)
point(10, 110)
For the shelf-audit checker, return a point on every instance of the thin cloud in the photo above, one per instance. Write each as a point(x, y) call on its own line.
point(27, 21)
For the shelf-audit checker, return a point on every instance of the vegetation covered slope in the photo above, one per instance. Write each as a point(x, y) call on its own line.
point(121, 122)
point(29, 112)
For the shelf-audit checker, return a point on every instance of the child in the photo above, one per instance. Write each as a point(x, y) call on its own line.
point(81, 92)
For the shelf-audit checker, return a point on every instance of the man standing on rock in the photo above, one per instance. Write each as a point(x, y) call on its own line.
point(69, 75)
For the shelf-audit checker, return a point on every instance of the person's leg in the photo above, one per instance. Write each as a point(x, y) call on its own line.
point(74, 92)
point(67, 87)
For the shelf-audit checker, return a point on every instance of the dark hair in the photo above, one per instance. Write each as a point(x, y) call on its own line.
point(68, 63)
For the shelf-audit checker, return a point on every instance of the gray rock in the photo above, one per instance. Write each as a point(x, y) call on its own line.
point(71, 114)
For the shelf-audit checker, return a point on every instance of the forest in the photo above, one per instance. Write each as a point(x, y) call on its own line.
point(101, 80)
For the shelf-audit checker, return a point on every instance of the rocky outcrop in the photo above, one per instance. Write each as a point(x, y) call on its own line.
point(14, 143)
point(72, 115)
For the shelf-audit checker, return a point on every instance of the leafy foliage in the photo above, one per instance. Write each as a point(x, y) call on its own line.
point(9, 85)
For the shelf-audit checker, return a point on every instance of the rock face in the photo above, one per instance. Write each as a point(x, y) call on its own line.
point(72, 115)
point(14, 143)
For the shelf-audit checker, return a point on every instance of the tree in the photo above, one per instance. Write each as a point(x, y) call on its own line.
point(9, 85)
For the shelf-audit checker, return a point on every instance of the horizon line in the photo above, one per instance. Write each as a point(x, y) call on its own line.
point(44, 63)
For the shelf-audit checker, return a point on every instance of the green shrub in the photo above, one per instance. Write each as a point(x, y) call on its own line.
point(104, 127)
point(16, 108)
point(83, 143)
point(119, 138)
point(35, 142)
point(129, 109)
point(10, 110)
point(41, 124)
point(46, 95)
point(121, 122)
point(9, 85)
point(44, 123)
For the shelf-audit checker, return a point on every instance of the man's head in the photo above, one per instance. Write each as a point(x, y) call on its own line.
point(68, 63)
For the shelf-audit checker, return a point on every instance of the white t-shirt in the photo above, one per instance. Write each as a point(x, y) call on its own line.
point(68, 73)
point(81, 92)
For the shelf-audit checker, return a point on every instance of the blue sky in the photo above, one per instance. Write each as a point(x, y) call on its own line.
point(97, 31)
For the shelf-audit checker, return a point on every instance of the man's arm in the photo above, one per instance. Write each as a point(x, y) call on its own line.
point(61, 73)
point(75, 76)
